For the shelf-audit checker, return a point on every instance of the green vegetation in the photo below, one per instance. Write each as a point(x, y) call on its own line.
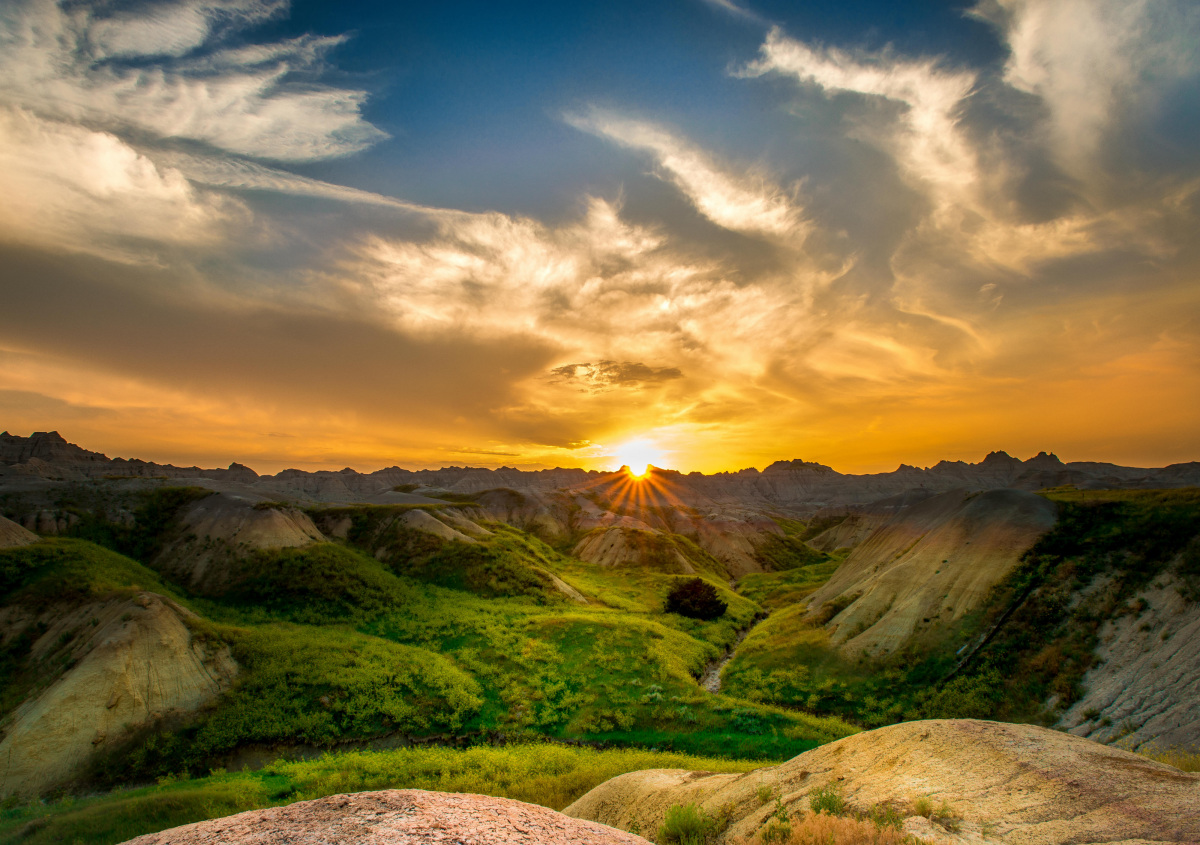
point(550, 775)
point(135, 524)
point(395, 634)
point(316, 584)
point(827, 799)
point(1033, 638)
point(507, 562)
point(776, 590)
point(788, 552)
point(686, 824)
point(696, 599)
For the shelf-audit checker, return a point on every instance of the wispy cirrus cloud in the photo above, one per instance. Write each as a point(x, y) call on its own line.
point(159, 72)
point(930, 145)
point(1095, 64)
point(736, 10)
point(745, 202)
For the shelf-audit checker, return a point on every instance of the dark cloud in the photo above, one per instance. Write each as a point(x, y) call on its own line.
point(609, 375)
point(130, 321)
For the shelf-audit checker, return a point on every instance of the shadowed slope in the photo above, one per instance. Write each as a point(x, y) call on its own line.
point(929, 566)
point(12, 534)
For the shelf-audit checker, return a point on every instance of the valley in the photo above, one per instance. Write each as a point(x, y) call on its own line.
point(161, 627)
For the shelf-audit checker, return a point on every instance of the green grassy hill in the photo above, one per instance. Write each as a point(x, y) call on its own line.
point(394, 636)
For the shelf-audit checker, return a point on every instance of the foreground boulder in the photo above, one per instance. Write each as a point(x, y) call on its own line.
point(1012, 783)
point(396, 817)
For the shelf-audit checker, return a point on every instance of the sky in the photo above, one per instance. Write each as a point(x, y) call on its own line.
point(370, 233)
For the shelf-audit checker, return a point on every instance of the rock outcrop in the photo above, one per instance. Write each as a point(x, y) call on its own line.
point(216, 531)
point(396, 817)
point(12, 534)
point(929, 566)
point(1019, 783)
point(131, 661)
point(1145, 687)
point(615, 547)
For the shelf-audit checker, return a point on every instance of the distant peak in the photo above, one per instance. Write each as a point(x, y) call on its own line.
point(797, 464)
point(1000, 457)
point(1044, 458)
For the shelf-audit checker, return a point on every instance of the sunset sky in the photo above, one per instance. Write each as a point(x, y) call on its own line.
point(370, 233)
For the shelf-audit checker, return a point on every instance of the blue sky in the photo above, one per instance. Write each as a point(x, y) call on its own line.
point(312, 234)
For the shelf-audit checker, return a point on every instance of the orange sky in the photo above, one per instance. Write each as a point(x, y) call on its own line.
point(914, 258)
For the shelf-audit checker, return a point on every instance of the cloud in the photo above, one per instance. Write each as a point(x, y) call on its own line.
point(736, 10)
point(742, 203)
point(121, 71)
point(68, 187)
point(172, 28)
point(931, 146)
point(607, 375)
point(1093, 62)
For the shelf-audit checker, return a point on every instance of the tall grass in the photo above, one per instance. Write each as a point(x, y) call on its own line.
point(1184, 759)
point(550, 775)
point(824, 829)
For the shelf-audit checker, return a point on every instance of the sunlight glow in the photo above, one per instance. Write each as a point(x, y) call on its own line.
point(638, 455)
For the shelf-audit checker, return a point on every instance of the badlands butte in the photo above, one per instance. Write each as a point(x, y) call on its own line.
point(1007, 650)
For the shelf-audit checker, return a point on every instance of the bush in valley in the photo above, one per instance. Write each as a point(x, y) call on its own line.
point(697, 599)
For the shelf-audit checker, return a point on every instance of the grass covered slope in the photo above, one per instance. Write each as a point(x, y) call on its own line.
point(1022, 654)
point(549, 775)
point(398, 635)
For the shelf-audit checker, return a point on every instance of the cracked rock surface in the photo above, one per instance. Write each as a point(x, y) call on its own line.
point(1008, 783)
point(396, 817)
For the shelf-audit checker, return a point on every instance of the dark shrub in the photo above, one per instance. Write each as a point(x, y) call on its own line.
point(697, 599)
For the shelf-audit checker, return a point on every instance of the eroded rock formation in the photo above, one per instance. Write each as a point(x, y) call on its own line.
point(1021, 784)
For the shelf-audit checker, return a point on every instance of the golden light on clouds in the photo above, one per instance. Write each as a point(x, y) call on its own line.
point(914, 257)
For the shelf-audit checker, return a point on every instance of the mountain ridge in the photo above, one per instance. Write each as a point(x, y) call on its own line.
point(784, 483)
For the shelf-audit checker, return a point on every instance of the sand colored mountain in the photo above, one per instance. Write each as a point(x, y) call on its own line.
point(1019, 783)
point(615, 547)
point(396, 817)
point(218, 530)
point(929, 566)
point(134, 661)
point(12, 534)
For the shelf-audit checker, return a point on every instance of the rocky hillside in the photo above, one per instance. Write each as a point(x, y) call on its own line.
point(107, 669)
point(927, 567)
point(949, 780)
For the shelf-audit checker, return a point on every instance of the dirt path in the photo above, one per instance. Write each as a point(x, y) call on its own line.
point(711, 679)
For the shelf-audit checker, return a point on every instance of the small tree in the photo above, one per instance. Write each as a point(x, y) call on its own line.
point(696, 598)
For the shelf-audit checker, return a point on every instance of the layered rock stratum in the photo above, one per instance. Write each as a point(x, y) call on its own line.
point(1014, 783)
point(132, 661)
point(396, 817)
point(928, 566)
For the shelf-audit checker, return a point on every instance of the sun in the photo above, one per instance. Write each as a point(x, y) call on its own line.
point(638, 455)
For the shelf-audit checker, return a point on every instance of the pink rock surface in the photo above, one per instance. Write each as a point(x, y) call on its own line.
point(396, 817)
